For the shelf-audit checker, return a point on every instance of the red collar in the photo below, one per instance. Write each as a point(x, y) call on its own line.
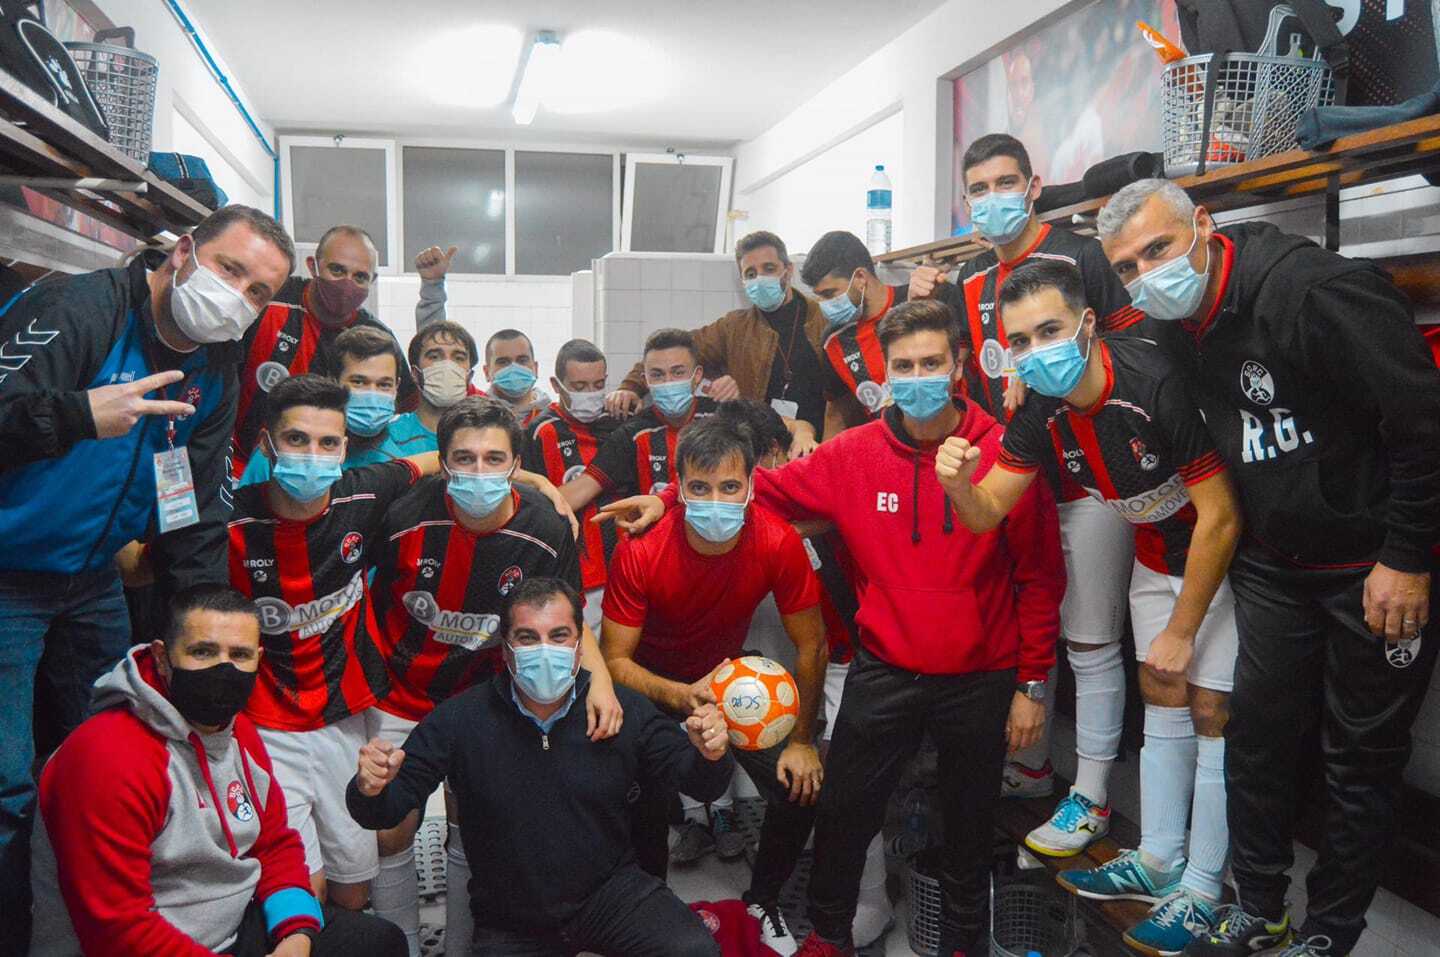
point(1227, 262)
point(1109, 389)
point(1012, 263)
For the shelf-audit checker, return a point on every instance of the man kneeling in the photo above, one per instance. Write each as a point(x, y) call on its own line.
point(544, 806)
point(162, 829)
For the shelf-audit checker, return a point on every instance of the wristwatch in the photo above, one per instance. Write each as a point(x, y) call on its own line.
point(1034, 690)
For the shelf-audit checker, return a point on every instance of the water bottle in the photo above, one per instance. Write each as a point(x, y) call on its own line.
point(917, 820)
point(877, 213)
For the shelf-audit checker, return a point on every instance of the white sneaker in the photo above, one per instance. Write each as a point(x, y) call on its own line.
point(1076, 824)
point(872, 922)
point(774, 933)
point(1022, 782)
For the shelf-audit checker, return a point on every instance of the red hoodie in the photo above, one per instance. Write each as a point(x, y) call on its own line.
point(935, 598)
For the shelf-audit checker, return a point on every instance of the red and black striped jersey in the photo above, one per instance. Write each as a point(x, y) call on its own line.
point(439, 589)
point(559, 447)
point(308, 579)
point(638, 458)
point(1138, 449)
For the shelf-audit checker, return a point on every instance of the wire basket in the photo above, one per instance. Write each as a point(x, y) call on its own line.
point(1258, 101)
point(1026, 919)
point(923, 893)
point(122, 81)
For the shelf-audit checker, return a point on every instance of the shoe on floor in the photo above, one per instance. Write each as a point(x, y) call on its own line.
point(1172, 925)
point(1239, 934)
point(871, 923)
point(817, 946)
point(1317, 945)
point(1022, 782)
point(694, 842)
point(1125, 878)
point(1076, 824)
point(729, 842)
point(774, 933)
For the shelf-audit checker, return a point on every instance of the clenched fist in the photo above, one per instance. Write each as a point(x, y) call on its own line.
point(707, 730)
point(379, 764)
point(955, 463)
point(924, 280)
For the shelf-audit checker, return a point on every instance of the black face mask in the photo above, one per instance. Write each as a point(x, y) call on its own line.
point(210, 696)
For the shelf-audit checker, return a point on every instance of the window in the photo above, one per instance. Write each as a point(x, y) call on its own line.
point(564, 211)
point(676, 203)
point(456, 197)
point(330, 181)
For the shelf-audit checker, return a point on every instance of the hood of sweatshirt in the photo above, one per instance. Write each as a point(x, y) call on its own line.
point(136, 683)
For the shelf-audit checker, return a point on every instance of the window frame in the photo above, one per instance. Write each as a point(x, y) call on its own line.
point(727, 169)
point(392, 196)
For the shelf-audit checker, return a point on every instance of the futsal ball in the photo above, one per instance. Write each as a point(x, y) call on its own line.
point(759, 700)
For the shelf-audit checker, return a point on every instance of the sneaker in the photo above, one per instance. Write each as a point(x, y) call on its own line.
point(1238, 934)
point(1022, 782)
point(1172, 925)
point(1316, 946)
point(1076, 824)
point(774, 933)
point(729, 842)
point(1123, 879)
point(694, 842)
point(817, 946)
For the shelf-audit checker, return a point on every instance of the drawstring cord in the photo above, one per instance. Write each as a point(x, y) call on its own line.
point(214, 797)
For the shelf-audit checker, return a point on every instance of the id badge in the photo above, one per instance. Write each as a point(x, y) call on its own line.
point(786, 408)
point(175, 490)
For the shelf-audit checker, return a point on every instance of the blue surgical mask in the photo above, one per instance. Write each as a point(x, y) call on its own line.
point(367, 413)
point(1054, 370)
point(673, 398)
point(839, 310)
point(716, 521)
point(544, 673)
point(477, 494)
point(305, 477)
point(765, 293)
point(1000, 217)
point(1171, 291)
point(514, 380)
point(921, 397)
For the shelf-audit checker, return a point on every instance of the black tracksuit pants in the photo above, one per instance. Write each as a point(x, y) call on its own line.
point(883, 715)
point(1302, 633)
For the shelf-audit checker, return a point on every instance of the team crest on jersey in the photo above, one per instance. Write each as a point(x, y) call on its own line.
point(192, 396)
point(270, 374)
point(509, 578)
point(1402, 654)
point(1256, 383)
point(1146, 459)
point(871, 395)
point(351, 547)
point(711, 922)
point(572, 473)
point(238, 802)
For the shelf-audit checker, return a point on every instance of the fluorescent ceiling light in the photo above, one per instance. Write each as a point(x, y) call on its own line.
point(471, 67)
point(602, 71)
point(538, 77)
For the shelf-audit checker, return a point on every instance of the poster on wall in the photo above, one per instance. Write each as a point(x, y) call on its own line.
point(1082, 88)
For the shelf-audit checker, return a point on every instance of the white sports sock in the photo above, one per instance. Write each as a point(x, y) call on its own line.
point(1035, 756)
point(694, 810)
point(873, 910)
point(1099, 716)
point(1167, 782)
point(1209, 831)
point(459, 922)
point(395, 895)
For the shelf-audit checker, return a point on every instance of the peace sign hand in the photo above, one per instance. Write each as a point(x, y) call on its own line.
point(116, 408)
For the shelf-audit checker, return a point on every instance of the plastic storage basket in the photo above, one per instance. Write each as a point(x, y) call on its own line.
point(1258, 101)
point(1025, 918)
point(122, 81)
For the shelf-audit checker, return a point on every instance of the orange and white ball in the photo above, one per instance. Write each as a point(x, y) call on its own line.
point(759, 700)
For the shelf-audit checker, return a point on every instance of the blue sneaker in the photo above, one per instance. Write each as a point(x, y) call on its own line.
point(1076, 824)
point(1172, 925)
point(1123, 879)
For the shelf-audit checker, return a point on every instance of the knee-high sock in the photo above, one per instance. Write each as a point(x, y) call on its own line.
point(873, 910)
point(395, 895)
point(1209, 831)
point(1099, 716)
point(1167, 783)
point(1035, 756)
point(459, 922)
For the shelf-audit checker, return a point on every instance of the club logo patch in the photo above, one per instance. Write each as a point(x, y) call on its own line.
point(270, 374)
point(1402, 654)
point(1256, 383)
point(711, 922)
point(238, 802)
point(509, 578)
point(351, 547)
point(1146, 459)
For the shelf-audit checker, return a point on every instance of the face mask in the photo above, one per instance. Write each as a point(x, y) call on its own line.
point(839, 310)
point(765, 293)
point(1054, 370)
point(515, 380)
point(716, 521)
point(584, 406)
point(1000, 217)
point(921, 397)
point(208, 309)
point(544, 673)
point(367, 413)
point(1172, 291)
point(477, 494)
point(444, 383)
point(673, 398)
point(305, 477)
point(210, 696)
point(338, 299)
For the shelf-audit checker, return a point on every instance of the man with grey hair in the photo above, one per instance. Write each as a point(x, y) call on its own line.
point(1323, 399)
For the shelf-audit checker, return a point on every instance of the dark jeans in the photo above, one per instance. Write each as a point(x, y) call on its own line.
point(1303, 637)
point(346, 934)
point(782, 838)
point(632, 914)
point(57, 635)
point(884, 714)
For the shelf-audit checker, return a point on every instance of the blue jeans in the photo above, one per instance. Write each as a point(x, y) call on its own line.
point(57, 635)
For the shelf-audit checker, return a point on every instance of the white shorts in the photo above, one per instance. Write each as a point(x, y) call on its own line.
point(592, 615)
point(834, 691)
point(1099, 549)
point(390, 728)
point(1152, 599)
point(314, 768)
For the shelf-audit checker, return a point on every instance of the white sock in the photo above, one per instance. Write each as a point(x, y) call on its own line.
point(1209, 831)
point(1035, 756)
point(1099, 716)
point(1167, 782)
point(459, 922)
point(694, 810)
point(395, 895)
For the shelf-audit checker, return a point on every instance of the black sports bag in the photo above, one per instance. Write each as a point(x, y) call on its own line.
point(38, 59)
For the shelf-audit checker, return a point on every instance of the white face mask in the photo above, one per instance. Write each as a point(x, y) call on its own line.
point(585, 406)
point(444, 383)
point(208, 309)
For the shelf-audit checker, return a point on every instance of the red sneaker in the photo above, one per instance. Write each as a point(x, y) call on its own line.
point(817, 946)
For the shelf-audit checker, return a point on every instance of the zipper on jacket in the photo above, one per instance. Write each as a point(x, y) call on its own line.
point(544, 741)
point(915, 504)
